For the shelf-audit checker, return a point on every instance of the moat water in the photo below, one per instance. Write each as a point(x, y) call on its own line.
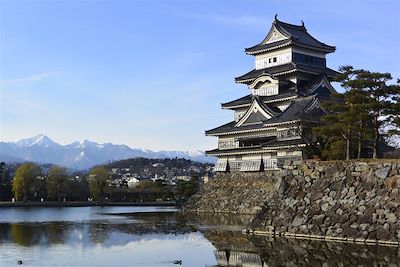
point(160, 236)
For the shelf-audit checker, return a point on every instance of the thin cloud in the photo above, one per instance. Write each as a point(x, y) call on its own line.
point(28, 79)
point(22, 104)
point(240, 21)
point(232, 21)
point(210, 53)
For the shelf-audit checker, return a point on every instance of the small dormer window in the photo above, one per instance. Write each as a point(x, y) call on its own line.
point(272, 60)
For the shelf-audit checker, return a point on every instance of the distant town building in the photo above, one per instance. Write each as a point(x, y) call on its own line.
point(287, 85)
point(206, 178)
point(133, 182)
point(156, 165)
point(183, 178)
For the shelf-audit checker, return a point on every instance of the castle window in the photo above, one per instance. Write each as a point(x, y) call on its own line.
point(227, 144)
point(221, 165)
point(274, 59)
point(266, 91)
point(288, 134)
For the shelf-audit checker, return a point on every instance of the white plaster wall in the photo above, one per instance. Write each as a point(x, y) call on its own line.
point(251, 157)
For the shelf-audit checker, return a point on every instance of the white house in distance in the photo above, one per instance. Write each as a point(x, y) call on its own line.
point(133, 182)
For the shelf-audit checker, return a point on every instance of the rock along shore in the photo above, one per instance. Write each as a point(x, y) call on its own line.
point(335, 200)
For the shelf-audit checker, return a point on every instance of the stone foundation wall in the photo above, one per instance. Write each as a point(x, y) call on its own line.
point(355, 199)
point(238, 193)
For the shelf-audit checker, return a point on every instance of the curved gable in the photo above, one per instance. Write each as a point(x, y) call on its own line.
point(274, 35)
point(257, 113)
point(324, 83)
point(266, 78)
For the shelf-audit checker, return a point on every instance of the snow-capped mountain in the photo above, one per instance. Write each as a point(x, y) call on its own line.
point(41, 140)
point(83, 154)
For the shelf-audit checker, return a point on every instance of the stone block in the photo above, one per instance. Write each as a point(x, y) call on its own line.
point(325, 207)
point(315, 175)
point(391, 218)
point(393, 182)
point(361, 168)
point(382, 172)
point(339, 211)
point(349, 232)
point(383, 234)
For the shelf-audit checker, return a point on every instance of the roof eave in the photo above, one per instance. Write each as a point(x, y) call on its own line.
point(235, 106)
point(284, 146)
point(235, 152)
point(268, 128)
point(327, 48)
point(261, 50)
point(253, 51)
point(280, 123)
point(244, 81)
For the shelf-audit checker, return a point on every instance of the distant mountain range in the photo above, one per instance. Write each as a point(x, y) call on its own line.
point(83, 154)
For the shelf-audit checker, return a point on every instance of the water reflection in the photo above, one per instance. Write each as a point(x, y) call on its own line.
point(156, 239)
point(235, 249)
point(96, 232)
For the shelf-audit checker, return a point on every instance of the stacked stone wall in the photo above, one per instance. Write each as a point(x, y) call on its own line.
point(237, 193)
point(345, 199)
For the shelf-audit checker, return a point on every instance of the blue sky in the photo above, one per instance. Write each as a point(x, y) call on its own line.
point(152, 74)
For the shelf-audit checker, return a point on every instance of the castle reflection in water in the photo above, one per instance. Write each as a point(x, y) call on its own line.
point(226, 244)
point(227, 258)
point(264, 251)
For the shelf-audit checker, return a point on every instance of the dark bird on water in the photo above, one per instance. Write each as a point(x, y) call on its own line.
point(19, 262)
point(177, 262)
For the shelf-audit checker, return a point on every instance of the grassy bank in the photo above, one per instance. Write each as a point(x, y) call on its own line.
point(83, 204)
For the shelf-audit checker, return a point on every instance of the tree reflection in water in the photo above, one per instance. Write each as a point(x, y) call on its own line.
point(232, 248)
point(24, 235)
point(33, 234)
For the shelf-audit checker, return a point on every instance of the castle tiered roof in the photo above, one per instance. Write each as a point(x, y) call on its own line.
point(303, 108)
point(319, 86)
point(290, 34)
point(285, 69)
point(246, 100)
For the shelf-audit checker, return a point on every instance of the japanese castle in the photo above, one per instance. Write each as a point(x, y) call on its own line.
point(272, 123)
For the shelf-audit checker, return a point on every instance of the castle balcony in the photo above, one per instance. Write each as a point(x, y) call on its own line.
point(270, 164)
point(253, 165)
point(290, 134)
point(254, 141)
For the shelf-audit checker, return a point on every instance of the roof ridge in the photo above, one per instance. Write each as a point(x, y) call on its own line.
point(291, 25)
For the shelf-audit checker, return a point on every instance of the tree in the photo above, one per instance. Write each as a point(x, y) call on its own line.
point(360, 116)
point(185, 189)
point(78, 190)
point(26, 181)
point(98, 182)
point(382, 106)
point(5, 183)
point(57, 182)
point(340, 121)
